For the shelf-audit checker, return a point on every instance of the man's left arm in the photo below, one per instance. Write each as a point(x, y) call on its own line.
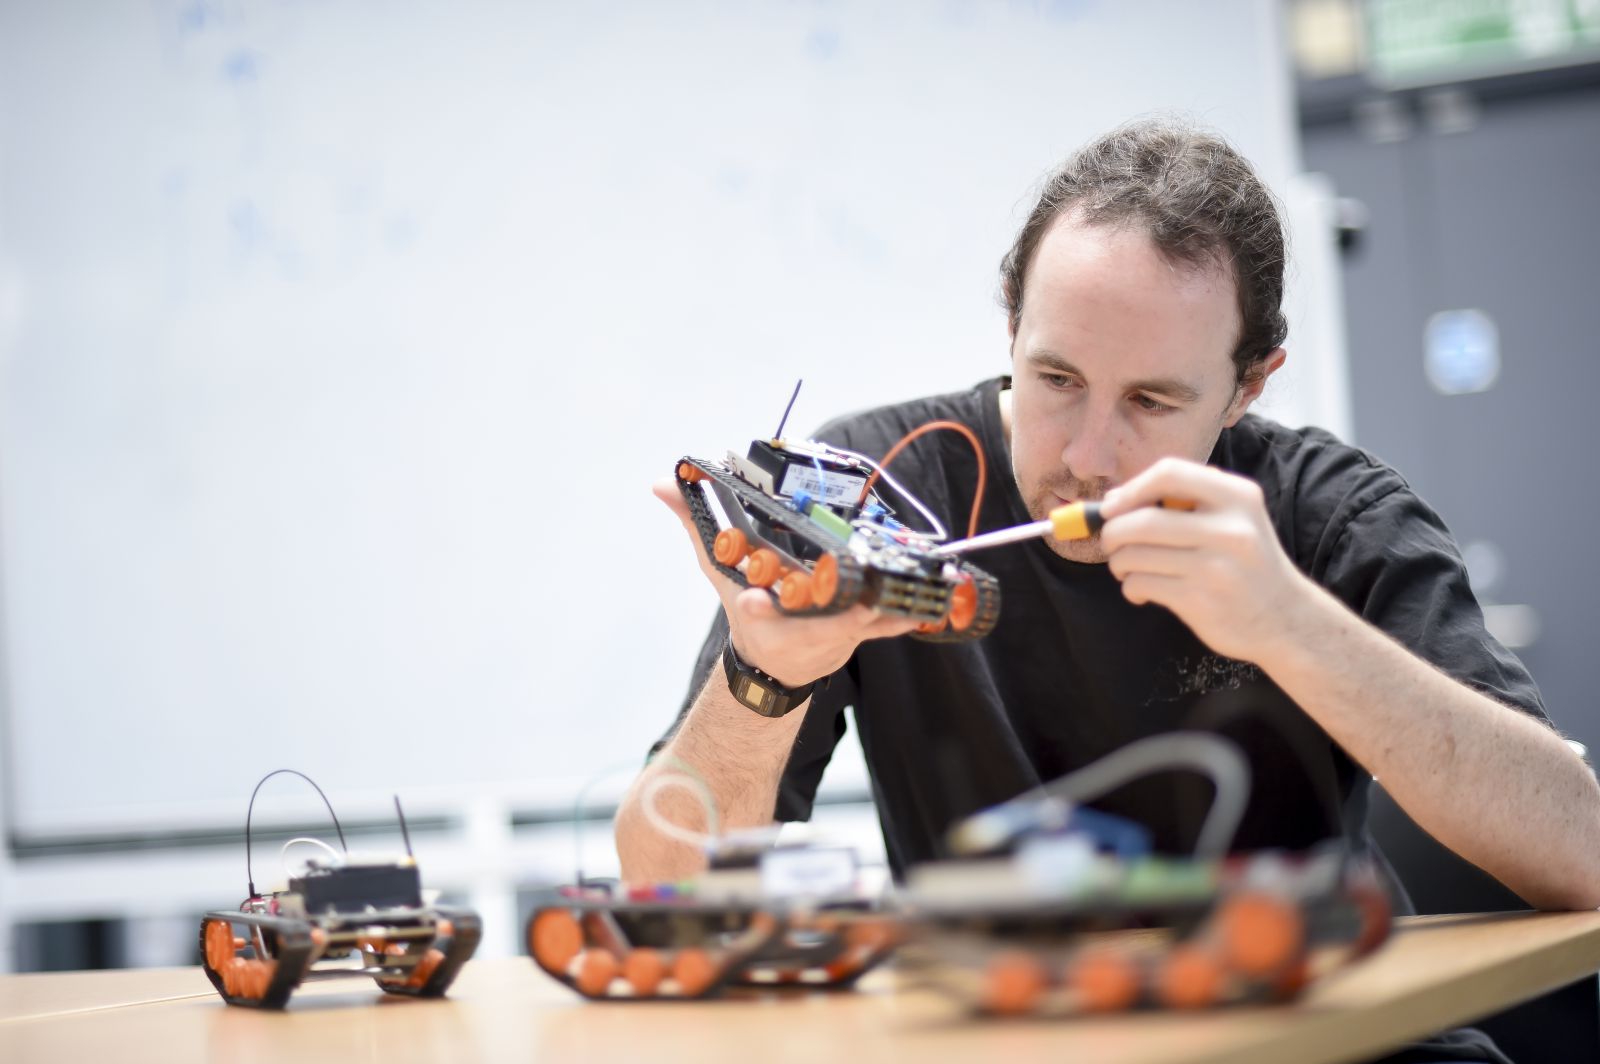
point(1497, 786)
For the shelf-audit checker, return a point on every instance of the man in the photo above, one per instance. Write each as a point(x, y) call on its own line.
point(1143, 296)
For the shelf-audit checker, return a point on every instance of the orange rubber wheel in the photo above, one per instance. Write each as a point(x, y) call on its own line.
point(933, 627)
point(1013, 984)
point(596, 969)
point(963, 605)
point(825, 580)
point(424, 969)
point(248, 978)
point(869, 934)
point(264, 971)
point(844, 967)
point(644, 969)
point(730, 546)
point(232, 976)
point(219, 945)
point(555, 938)
point(763, 568)
point(694, 971)
point(795, 591)
point(1189, 978)
point(1261, 933)
point(1287, 986)
point(1105, 980)
point(690, 473)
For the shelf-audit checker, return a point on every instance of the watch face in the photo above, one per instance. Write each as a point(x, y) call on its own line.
point(751, 689)
point(753, 695)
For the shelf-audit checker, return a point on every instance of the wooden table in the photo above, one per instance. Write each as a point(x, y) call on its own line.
point(1437, 972)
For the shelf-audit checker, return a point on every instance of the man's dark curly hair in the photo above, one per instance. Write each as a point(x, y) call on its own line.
point(1199, 200)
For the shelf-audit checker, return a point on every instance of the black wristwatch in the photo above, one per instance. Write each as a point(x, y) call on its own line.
point(757, 691)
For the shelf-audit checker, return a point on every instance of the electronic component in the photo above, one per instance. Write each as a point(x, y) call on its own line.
point(1033, 918)
point(760, 917)
point(812, 525)
point(340, 918)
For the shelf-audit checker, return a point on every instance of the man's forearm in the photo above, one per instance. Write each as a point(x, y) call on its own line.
point(1496, 786)
point(738, 754)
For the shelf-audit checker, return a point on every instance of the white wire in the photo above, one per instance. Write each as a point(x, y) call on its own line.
point(1203, 752)
point(701, 840)
point(283, 854)
point(938, 534)
point(581, 801)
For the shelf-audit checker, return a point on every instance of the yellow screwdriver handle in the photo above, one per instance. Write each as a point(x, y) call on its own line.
point(1080, 520)
point(1076, 520)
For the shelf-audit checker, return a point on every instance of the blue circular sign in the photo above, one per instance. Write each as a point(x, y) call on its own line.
point(1461, 352)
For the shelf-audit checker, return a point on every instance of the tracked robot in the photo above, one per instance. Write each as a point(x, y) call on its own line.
point(339, 919)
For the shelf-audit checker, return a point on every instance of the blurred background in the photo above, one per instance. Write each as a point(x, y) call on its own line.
point(340, 342)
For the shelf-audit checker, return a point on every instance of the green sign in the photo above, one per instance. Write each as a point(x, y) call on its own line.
point(1432, 40)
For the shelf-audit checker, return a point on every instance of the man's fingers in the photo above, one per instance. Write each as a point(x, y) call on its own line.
point(856, 623)
point(1156, 527)
point(1161, 561)
point(887, 626)
point(666, 489)
point(1143, 588)
point(755, 604)
point(1202, 486)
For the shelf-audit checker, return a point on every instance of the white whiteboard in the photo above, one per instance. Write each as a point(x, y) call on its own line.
point(340, 342)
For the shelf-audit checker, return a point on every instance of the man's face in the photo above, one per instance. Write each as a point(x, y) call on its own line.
point(1120, 358)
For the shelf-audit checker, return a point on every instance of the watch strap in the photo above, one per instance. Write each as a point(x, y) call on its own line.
point(757, 691)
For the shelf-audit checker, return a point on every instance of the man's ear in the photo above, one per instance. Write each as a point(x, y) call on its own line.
point(1250, 388)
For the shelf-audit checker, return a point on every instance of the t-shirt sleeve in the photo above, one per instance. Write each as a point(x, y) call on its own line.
point(1397, 566)
point(820, 732)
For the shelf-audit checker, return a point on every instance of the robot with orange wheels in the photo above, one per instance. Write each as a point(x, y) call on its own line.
point(726, 929)
point(1036, 920)
point(808, 522)
point(338, 919)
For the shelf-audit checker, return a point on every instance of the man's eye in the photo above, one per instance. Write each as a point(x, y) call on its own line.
point(1149, 405)
point(1057, 380)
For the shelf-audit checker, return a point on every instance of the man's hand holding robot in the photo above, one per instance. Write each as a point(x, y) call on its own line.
point(792, 650)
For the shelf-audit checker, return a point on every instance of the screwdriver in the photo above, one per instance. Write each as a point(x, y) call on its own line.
point(1075, 520)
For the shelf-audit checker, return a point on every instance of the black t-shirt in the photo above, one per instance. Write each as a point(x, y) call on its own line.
point(1073, 671)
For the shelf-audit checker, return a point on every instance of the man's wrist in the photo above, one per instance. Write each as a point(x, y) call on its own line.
point(776, 669)
point(1308, 617)
point(757, 690)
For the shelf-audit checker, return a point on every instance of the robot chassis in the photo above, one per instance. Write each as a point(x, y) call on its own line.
point(797, 525)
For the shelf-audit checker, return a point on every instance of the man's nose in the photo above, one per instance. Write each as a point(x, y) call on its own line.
point(1091, 453)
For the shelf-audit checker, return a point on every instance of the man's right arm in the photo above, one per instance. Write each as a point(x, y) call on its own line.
point(739, 755)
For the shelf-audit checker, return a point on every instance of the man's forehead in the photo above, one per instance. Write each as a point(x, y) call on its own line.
point(1123, 252)
point(1099, 288)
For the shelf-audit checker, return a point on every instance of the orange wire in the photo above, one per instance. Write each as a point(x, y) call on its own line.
point(977, 496)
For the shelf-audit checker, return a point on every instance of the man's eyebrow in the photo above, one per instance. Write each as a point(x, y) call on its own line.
point(1167, 387)
point(1051, 360)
